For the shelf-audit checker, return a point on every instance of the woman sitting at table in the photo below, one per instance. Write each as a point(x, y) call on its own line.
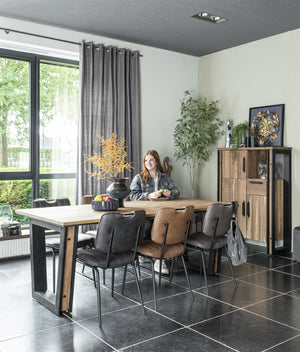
point(153, 183)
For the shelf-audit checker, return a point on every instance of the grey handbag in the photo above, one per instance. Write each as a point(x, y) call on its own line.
point(237, 249)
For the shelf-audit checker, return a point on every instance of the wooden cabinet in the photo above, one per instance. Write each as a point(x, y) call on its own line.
point(259, 179)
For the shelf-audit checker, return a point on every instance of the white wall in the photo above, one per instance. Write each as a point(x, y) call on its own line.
point(263, 72)
point(165, 75)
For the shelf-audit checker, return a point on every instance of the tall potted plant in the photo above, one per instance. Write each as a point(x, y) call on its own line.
point(196, 133)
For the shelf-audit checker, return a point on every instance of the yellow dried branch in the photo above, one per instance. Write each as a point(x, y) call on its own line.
point(111, 160)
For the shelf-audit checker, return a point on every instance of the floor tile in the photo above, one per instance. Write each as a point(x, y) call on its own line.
point(240, 296)
point(291, 345)
point(27, 318)
point(67, 338)
point(285, 309)
point(268, 261)
point(85, 301)
point(164, 290)
point(293, 269)
point(274, 280)
point(245, 332)
point(240, 271)
point(197, 280)
point(130, 326)
point(180, 341)
point(187, 311)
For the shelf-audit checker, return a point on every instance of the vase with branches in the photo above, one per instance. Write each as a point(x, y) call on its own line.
point(110, 162)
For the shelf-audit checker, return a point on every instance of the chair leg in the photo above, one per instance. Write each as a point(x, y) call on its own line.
point(204, 271)
point(83, 267)
point(153, 283)
point(103, 271)
point(231, 267)
point(124, 278)
point(138, 266)
point(53, 269)
point(160, 265)
point(98, 296)
point(94, 278)
point(112, 281)
point(187, 276)
point(172, 269)
point(138, 287)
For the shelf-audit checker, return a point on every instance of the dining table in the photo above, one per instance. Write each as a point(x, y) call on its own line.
point(65, 220)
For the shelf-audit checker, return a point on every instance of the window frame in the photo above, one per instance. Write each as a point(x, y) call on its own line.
point(34, 174)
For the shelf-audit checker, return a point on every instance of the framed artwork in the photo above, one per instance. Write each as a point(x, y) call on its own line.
point(266, 125)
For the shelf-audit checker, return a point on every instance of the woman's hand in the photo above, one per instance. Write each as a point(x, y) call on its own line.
point(154, 195)
point(167, 193)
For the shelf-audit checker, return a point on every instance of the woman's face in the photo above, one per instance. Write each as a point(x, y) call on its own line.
point(150, 163)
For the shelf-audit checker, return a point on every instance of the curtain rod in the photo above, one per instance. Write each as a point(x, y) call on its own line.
point(7, 30)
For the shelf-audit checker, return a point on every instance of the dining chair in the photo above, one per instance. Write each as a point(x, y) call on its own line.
point(116, 242)
point(168, 240)
point(53, 242)
point(213, 237)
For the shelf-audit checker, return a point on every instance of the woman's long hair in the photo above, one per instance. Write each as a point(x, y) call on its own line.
point(145, 173)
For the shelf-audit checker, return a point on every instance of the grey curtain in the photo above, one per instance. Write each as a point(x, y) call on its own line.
point(109, 103)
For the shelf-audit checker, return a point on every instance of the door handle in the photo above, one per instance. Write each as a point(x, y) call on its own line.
point(248, 209)
point(243, 208)
point(256, 182)
point(244, 164)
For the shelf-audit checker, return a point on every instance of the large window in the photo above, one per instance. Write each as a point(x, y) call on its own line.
point(38, 128)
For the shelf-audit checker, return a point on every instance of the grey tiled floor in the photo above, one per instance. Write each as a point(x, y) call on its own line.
point(261, 314)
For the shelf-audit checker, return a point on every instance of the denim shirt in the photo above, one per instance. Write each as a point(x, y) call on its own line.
point(140, 190)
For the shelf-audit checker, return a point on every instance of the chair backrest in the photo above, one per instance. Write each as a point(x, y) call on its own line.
point(125, 229)
point(42, 202)
point(224, 214)
point(177, 220)
point(87, 199)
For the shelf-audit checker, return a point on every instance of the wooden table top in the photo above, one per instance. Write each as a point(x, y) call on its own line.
point(84, 214)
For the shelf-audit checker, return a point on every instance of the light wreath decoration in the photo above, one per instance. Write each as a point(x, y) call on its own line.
point(265, 126)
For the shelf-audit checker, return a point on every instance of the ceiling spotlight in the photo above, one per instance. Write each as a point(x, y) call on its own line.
point(203, 15)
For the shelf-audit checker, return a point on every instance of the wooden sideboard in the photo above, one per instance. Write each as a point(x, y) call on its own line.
point(259, 179)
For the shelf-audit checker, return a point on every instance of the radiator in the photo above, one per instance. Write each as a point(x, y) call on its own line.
point(14, 248)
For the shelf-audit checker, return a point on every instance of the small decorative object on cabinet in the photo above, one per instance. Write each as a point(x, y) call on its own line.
point(259, 179)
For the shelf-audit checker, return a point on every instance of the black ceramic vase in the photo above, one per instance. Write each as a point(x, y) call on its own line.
point(118, 189)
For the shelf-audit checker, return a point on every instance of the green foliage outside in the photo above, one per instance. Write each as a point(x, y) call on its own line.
point(196, 133)
point(17, 194)
point(58, 85)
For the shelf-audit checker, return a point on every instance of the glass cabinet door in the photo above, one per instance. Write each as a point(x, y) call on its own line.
point(281, 198)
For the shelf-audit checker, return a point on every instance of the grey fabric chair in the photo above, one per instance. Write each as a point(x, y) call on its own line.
point(115, 246)
point(216, 224)
point(53, 243)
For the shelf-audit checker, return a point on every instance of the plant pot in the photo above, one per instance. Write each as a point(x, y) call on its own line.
point(118, 189)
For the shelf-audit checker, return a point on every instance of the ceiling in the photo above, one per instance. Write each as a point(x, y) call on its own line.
point(165, 24)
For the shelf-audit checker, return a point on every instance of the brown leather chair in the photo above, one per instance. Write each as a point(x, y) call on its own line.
point(168, 240)
point(213, 236)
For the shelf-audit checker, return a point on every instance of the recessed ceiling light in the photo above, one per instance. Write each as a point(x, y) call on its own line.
point(205, 16)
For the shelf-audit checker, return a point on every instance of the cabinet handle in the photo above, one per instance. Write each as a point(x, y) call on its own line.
point(244, 164)
point(243, 208)
point(256, 182)
point(248, 209)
